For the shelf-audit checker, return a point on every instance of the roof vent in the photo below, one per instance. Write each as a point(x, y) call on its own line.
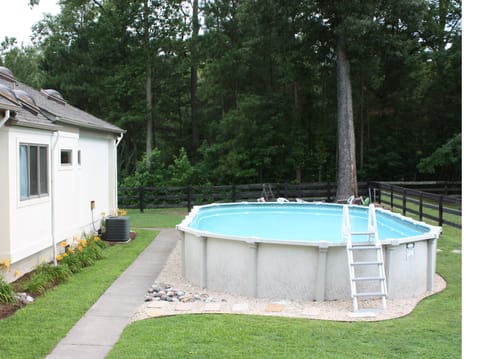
point(54, 95)
point(6, 74)
point(8, 94)
point(27, 100)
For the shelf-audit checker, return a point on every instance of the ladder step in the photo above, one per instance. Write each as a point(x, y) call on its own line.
point(370, 294)
point(367, 278)
point(364, 246)
point(362, 233)
point(366, 263)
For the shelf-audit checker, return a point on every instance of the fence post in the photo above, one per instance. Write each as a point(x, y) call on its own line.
point(141, 195)
point(391, 197)
point(329, 191)
point(404, 201)
point(420, 206)
point(440, 211)
point(189, 198)
point(234, 193)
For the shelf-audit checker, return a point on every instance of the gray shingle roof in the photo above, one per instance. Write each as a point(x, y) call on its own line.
point(52, 113)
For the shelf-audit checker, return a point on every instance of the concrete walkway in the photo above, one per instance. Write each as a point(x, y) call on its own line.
point(99, 329)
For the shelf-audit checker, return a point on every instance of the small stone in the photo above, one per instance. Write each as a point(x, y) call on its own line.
point(274, 307)
point(24, 298)
point(240, 307)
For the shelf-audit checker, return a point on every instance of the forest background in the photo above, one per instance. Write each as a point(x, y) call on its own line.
point(245, 91)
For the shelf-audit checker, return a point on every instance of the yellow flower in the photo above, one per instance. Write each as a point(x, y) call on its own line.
point(65, 254)
point(63, 244)
point(83, 242)
point(71, 250)
point(96, 238)
point(6, 264)
point(80, 248)
point(17, 273)
point(59, 257)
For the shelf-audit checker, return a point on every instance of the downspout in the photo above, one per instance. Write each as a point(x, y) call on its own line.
point(5, 118)
point(117, 142)
point(52, 197)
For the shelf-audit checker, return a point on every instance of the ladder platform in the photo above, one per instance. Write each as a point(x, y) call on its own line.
point(363, 246)
point(366, 263)
point(369, 294)
point(368, 233)
point(368, 278)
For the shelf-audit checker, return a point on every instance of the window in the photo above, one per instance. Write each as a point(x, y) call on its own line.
point(33, 171)
point(79, 157)
point(66, 157)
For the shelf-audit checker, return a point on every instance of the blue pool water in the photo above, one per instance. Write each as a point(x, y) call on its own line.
point(302, 222)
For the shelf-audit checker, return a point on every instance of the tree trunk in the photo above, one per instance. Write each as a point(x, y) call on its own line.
point(194, 77)
point(346, 166)
point(149, 115)
point(148, 85)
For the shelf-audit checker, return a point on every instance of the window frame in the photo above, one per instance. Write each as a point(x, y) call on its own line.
point(69, 153)
point(29, 187)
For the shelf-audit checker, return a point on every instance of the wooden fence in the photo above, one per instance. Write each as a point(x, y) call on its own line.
point(437, 201)
point(188, 196)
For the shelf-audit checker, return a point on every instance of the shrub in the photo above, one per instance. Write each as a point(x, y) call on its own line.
point(46, 276)
point(82, 253)
point(7, 294)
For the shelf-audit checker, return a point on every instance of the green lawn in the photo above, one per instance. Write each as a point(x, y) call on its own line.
point(33, 331)
point(156, 218)
point(433, 330)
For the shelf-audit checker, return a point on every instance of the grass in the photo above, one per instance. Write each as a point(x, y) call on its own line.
point(156, 218)
point(433, 330)
point(33, 331)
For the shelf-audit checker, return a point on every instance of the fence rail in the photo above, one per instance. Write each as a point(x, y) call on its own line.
point(436, 201)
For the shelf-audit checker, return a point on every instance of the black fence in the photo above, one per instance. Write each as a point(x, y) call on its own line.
point(440, 202)
point(437, 201)
point(188, 196)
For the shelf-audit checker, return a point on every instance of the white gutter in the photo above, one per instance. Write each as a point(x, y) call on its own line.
point(115, 186)
point(52, 197)
point(119, 140)
point(6, 117)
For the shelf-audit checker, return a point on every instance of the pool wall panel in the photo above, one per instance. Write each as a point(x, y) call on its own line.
point(302, 271)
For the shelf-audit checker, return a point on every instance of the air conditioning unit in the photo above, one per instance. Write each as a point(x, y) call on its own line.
point(117, 229)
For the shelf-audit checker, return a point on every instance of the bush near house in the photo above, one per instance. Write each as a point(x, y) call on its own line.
point(81, 253)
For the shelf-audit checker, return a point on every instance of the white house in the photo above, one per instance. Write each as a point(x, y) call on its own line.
point(58, 173)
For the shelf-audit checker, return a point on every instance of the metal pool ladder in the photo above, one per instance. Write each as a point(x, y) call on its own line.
point(365, 261)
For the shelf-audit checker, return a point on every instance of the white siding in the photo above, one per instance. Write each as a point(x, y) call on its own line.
point(30, 221)
point(26, 234)
point(4, 196)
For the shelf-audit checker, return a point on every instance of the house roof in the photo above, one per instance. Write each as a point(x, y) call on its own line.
point(44, 108)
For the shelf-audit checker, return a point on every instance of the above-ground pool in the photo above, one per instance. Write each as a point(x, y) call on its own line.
point(296, 251)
